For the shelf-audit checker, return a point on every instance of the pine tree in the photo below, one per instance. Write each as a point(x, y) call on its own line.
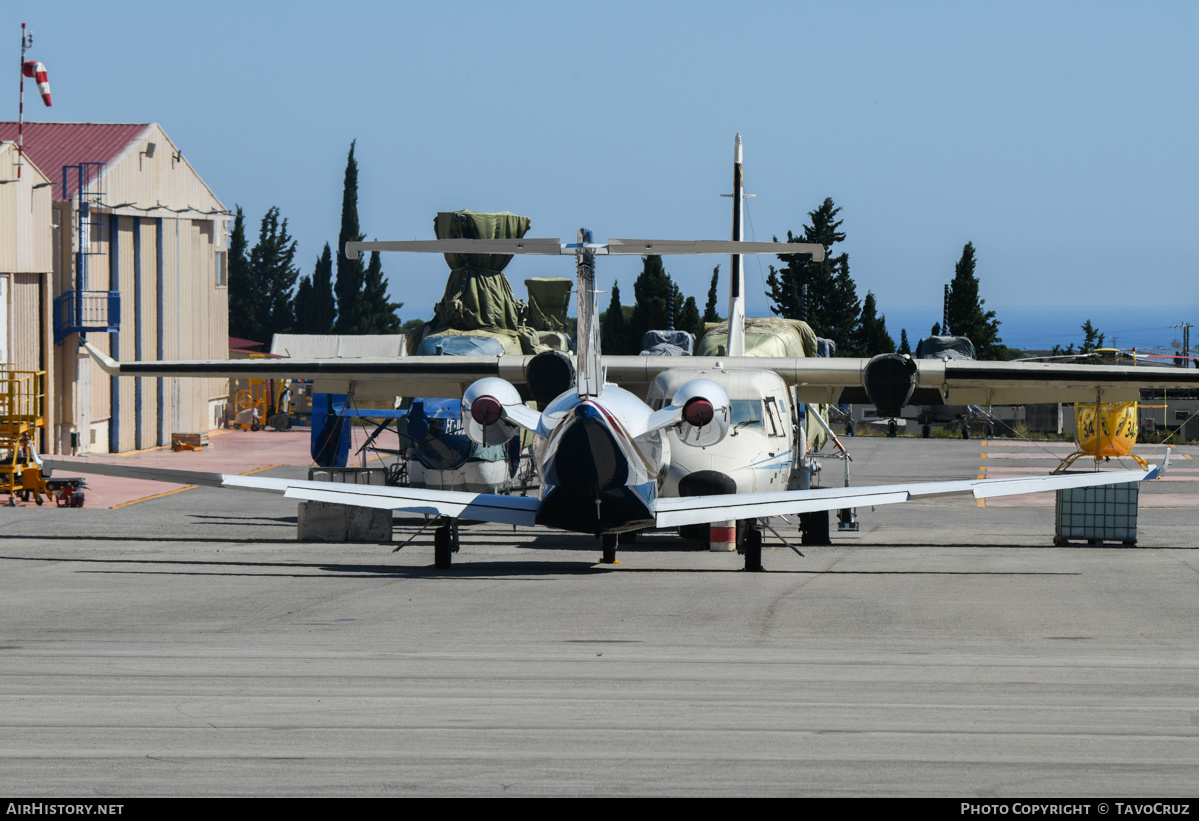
point(1092, 339)
point(871, 337)
point(244, 293)
point(966, 315)
point(832, 304)
point(274, 272)
point(314, 298)
point(710, 312)
point(350, 272)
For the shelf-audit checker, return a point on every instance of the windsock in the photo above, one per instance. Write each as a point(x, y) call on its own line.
point(38, 72)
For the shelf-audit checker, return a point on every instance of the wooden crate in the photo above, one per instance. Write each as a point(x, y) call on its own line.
point(189, 441)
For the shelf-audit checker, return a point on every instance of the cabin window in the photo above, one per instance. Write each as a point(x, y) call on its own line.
point(776, 418)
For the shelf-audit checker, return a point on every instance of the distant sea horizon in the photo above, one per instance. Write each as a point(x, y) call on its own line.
point(1040, 328)
point(1146, 329)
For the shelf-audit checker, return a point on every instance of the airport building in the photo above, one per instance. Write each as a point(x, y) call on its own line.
point(109, 231)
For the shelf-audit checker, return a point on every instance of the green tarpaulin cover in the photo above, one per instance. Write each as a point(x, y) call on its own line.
point(764, 336)
point(771, 336)
point(549, 299)
point(478, 299)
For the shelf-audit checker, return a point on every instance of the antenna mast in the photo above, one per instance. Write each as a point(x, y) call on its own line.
point(26, 42)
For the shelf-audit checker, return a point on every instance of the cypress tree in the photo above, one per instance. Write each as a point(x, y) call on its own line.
point(378, 312)
point(614, 331)
point(244, 293)
point(905, 347)
point(690, 320)
point(871, 337)
point(710, 312)
point(350, 272)
point(274, 271)
point(315, 310)
point(651, 292)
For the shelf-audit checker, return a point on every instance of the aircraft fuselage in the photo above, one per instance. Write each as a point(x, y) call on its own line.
point(596, 477)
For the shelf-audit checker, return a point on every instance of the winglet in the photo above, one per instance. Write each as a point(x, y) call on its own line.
point(1156, 472)
point(106, 362)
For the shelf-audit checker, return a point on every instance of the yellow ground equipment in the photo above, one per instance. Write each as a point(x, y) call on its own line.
point(264, 402)
point(1104, 430)
point(249, 405)
point(22, 417)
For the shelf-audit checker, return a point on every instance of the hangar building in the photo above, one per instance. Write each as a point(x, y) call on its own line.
point(112, 233)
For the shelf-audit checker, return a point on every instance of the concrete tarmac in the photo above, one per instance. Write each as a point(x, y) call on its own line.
point(188, 645)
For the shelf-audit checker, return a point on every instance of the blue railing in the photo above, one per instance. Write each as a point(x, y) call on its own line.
point(83, 311)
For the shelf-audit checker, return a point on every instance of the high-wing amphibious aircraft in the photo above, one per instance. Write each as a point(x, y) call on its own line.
point(602, 453)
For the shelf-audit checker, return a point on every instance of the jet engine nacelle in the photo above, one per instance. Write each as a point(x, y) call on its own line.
point(890, 381)
point(705, 407)
point(483, 411)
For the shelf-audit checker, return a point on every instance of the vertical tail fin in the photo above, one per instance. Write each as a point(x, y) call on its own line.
point(590, 363)
point(736, 346)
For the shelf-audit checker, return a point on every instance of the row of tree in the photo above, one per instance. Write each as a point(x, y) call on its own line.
point(831, 305)
point(658, 304)
point(264, 298)
point(856, 327)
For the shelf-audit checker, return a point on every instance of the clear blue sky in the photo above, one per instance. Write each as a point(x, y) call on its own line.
point(1058, 137)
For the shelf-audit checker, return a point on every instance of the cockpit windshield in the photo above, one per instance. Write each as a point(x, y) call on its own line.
point(746, 413)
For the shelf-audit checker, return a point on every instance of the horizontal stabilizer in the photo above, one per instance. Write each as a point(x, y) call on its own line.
point(546, 246)
point(671, 247)
point(531, 245)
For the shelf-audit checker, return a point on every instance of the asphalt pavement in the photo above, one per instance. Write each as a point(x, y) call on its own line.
point(187, 645)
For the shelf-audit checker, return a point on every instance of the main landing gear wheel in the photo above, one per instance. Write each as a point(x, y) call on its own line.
point(445, 544)
point(608, 545)
point(753, 546)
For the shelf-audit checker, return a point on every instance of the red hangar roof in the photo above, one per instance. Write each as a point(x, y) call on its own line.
point(52, 145)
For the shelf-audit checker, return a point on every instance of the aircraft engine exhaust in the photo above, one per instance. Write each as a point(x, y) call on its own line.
point(484, 417)
point(890, 380)
point(550, 374)
point(705, 412)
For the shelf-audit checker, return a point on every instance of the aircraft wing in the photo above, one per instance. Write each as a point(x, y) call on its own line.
point(934, 382)
point(690, 510)
point(832, 380)
point(484, 507)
